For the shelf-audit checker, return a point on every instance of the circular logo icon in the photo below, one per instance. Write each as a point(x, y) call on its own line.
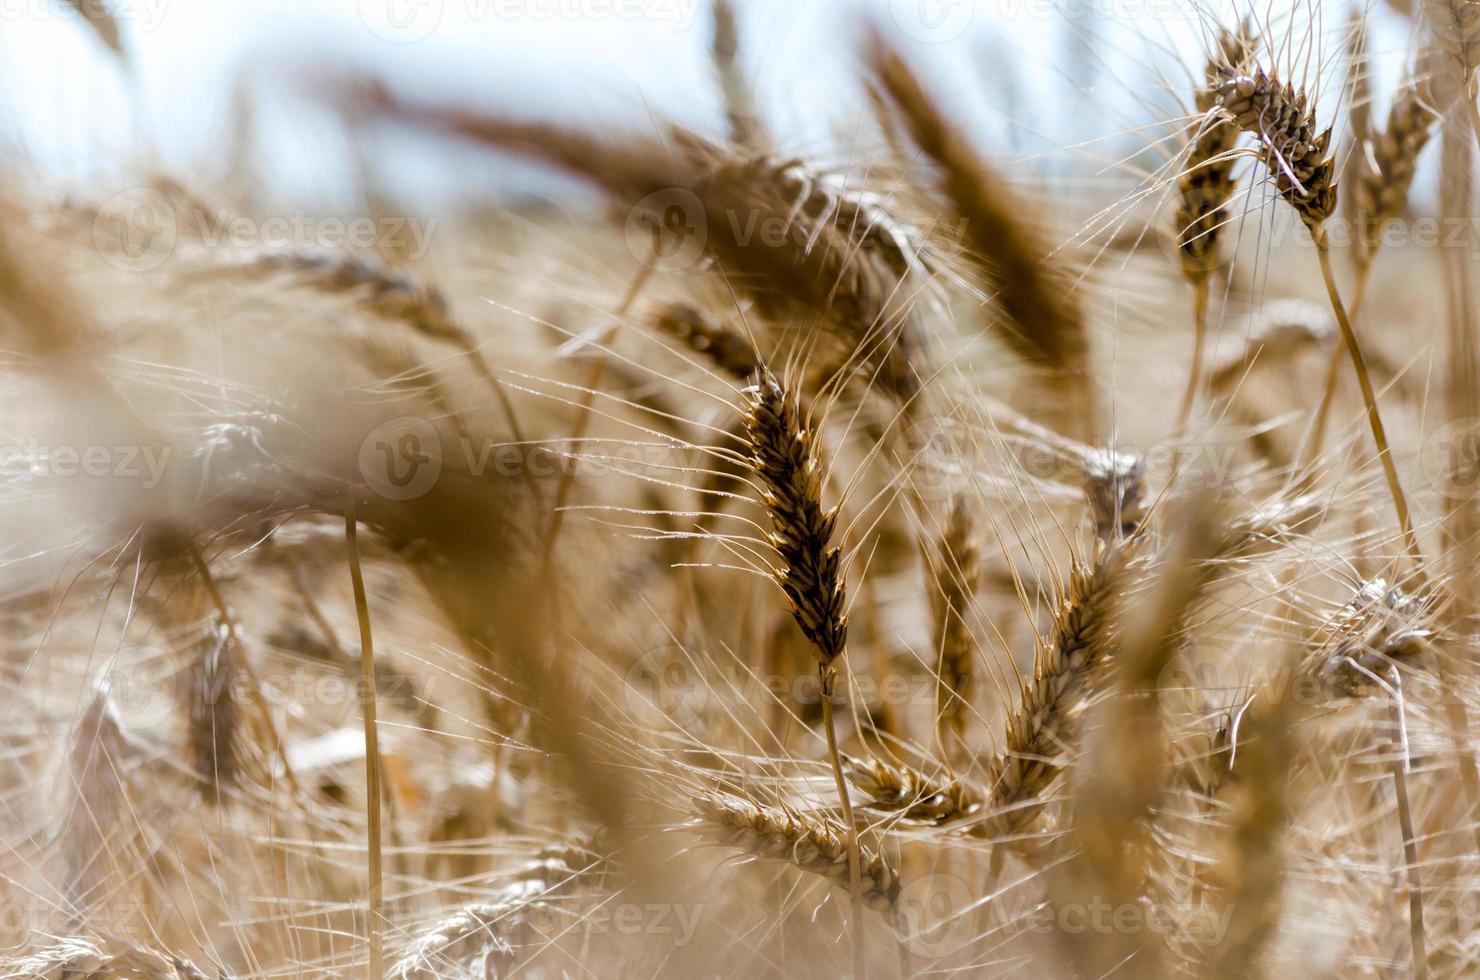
point(933, 21)
point(1451, 458)
point(400, 21)
point(142, 703)
point(667, 230)
point(935, 915)
point(136, 230)
point(401, 459)
point(664, 686)
point(944, 461)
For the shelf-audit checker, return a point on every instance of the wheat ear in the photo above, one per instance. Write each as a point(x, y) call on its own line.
point(76, 957)
point(811, 575)
point(1204, 189)
point(958, 568)
point(1043, 725)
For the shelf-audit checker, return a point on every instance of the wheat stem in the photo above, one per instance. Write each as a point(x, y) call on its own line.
point(1369, 397)
point(1194, 374)
point(372, 741)
point(855, 877)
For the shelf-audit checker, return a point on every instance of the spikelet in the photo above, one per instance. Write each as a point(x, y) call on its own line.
point(75, 958)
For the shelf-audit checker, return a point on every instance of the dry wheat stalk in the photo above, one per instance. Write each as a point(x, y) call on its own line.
point(957, 569)
point(785, 459)
point(811, 842)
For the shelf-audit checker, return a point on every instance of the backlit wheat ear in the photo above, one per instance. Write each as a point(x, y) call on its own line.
point(1282, 121)
point(958, 567)
point(740, 111)
point(487, 939)
point(1390, 161)
point(392, 293)
point(811, 842)
point(1206, 182)
point(1455, 28)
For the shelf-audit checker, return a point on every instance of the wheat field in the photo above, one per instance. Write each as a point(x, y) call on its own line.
point(906, 562)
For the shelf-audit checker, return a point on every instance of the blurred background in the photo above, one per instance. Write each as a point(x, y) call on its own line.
point(222, 91)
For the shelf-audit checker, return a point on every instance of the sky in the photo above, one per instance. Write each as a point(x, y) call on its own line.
point(1027, 78)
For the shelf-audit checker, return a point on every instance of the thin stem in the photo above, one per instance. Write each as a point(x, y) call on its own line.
point(372, 743)
point(1472, 83)
point(1374, 418)
point(855, 875)
point(1194, 375)
point(1399, 766)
